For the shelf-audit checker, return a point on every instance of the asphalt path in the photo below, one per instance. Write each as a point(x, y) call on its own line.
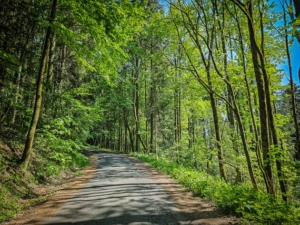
point(119, 193)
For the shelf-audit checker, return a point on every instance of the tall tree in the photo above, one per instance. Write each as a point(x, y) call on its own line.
point(39, 87)
point(291, 79)
point(209, 31)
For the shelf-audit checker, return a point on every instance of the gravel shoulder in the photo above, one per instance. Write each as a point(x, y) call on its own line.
point(119, 189)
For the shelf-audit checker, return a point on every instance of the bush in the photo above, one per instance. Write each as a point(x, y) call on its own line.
point(254, 206)
point(58, 148)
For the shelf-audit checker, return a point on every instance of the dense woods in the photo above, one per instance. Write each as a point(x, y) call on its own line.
point(198, 82)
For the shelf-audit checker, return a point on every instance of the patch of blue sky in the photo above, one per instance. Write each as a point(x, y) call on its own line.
point(294, 49)
point(295, 53)
point(295, 58)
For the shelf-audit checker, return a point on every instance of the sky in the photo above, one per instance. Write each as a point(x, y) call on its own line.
point(294, 49)
point(295, 56)
point(295, 53)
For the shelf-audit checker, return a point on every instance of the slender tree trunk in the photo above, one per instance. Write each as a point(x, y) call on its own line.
point(297, 9)
point(125, 138)
point(263, 105)
point(138, 138)
point(176, 126)
point(218, 135)
point(235, 111)
point(135, 76)
point(137, 117)
point(152, 100)
point(49, 76)
point(293, 99)
point(152, 97)
point(128, 129)
point(13, 119)
point(18, 79)
point(191, 130)
point(146, 112)
point(231, 100)
point(120, 135)
point(253, 119)
point(245, 145)
point(273, 131)
point(194, 34)
point(5, 113)
point(38, 100)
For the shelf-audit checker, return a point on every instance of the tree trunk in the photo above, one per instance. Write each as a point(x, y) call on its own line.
point(146, 112)
point(128, 129)
point(253, 119)
point(218, 135)
point(38, 100)
point(231, 99)
point(273, 131)
point(210, 35)
point(18, 79)
point(263, 105)
point(152, 101)
point(120, 135)
point(293, 100)
point(297, 9)
point(191, 130)
point(135, 76)
point(152, 97)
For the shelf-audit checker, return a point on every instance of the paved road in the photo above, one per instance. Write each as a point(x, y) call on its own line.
point(118, 193)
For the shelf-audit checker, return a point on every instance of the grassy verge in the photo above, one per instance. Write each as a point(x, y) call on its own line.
point(253, 206)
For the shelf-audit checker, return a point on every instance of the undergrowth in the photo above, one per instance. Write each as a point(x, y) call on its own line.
point(53, 154)
point(253, 206)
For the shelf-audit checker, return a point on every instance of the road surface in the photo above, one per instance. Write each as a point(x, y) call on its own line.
point(119, 193)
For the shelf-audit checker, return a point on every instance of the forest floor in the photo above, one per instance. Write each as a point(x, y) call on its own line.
point(194, 210)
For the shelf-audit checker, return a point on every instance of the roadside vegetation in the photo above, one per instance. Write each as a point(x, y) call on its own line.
point(252, 206)
point(49, 169)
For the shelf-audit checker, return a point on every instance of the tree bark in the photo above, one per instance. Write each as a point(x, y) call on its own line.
point(152, 97)
point(272, 124)
point(263, 104)
point(231, 99)
point(293, 99)
point(233, 103)
point(253, 119)
point(128, 129)
point(39, 89)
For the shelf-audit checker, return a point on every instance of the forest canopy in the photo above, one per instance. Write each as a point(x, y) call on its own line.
point(193, 81)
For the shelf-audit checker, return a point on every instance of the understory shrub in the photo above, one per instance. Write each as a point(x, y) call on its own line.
point(58, 148)
point(253, 206)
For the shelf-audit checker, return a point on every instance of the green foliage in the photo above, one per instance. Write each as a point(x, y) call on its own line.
point(254, 206)
point(123, 71)
point(18, 188)
point(13, 187)
point(9, 206)
point(9, 61)
point(62, 153)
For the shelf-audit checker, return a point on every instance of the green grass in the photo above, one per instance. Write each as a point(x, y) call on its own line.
point(253, 206)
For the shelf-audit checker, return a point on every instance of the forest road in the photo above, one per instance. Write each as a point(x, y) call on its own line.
point(122, 191)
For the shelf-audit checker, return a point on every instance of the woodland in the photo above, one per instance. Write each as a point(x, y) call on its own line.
point(193, 87)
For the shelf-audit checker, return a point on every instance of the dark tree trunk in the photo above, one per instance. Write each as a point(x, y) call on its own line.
point(293, 99)
point(39, 89)
point(263, 104)
point(297, 13)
